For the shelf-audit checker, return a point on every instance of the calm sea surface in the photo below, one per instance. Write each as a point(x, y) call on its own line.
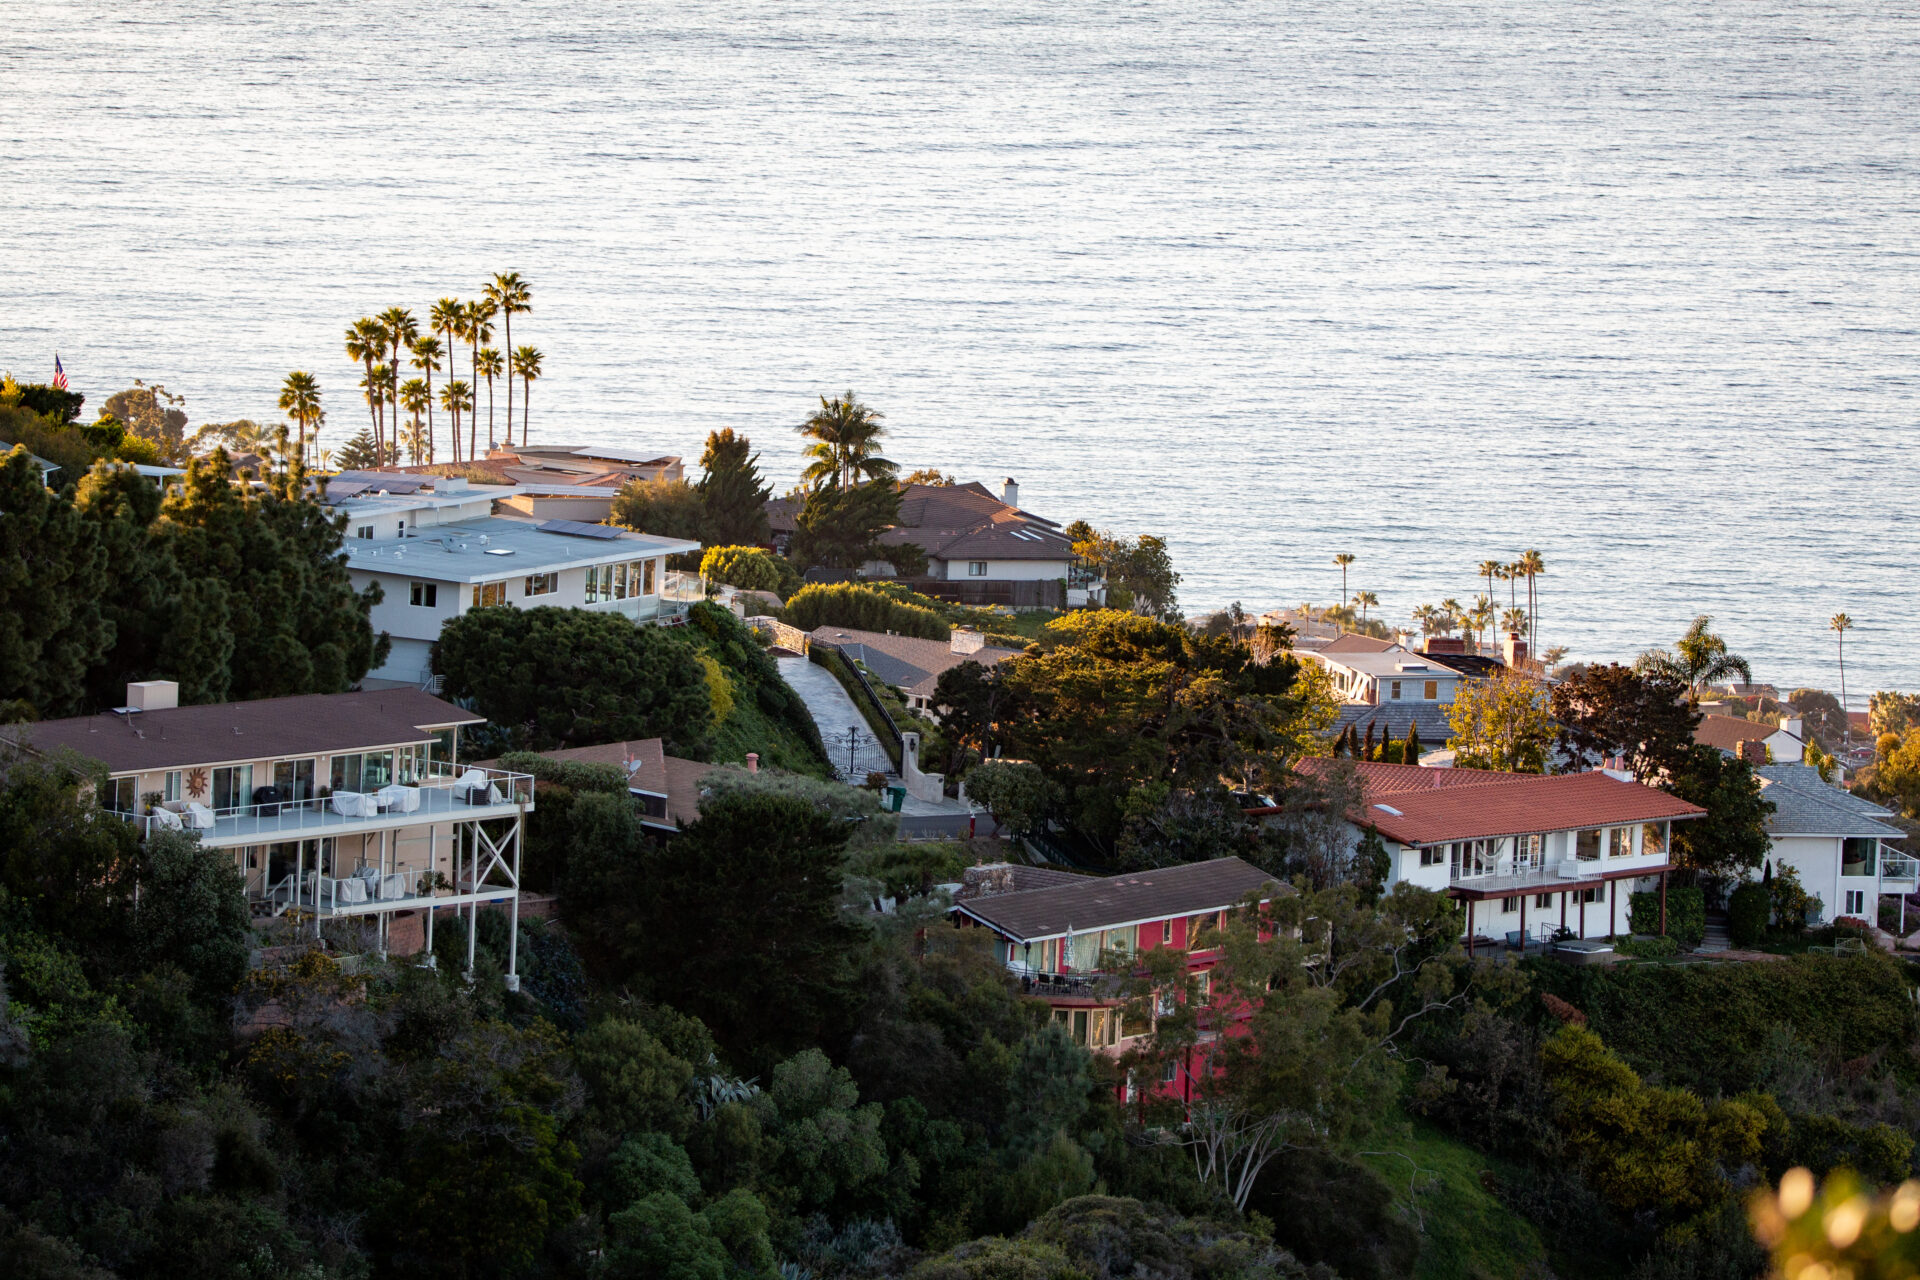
point(1637, 284)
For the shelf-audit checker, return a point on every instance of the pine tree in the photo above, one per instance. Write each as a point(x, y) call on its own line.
point(52, 574)
point(733, 493)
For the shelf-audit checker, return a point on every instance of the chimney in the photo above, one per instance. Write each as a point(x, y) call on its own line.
point(1752, 750)
point(1010, 492)
point(967, 640)
point(451, 484)
point(1443, 644)
point(753, 762)
point(153, 695)
point(1513, 648)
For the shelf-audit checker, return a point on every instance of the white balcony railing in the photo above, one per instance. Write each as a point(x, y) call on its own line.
point(1898, 868)
point(1505, 873)
point(440, 792)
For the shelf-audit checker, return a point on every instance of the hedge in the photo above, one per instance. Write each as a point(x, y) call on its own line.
point(1686, 914)
point(578, 775)
point(1747, 910)
point(1705, 1025)
point(847, 604)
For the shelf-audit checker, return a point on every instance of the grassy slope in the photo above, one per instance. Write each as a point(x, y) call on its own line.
point(1468, 1233)
point(748, 728)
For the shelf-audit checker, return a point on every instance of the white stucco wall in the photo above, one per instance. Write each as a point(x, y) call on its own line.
point(1004, 570)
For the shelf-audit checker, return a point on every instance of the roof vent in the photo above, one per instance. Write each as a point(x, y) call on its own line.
point(1387, 808)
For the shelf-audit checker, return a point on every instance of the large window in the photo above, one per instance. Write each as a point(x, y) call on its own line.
point(1619, 842)
point(170, 786)
point(293, 779)
point(1586, 845)
point(542, 584)
point(120, 795)
point(1471, 858)
point(362, 771)
point(1433, 855)
point(1527, 853)
point(1858, 856)
point(232, 786)
point(487, 594)
point(425, 595)
point(1653, 837)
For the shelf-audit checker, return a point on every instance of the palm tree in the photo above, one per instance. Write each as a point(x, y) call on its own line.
point(445, 317)
point(426, 356)
point(456, 397)
point(1489, 569)
point(400, 328)
point(1343, 560)
point(1481, 616)
point(1697, 659)
point(1510, 574)
point(1514, 621)
point(489, 365)
point(1428, 618)
point(416, 397)
point(374, 386)
point(1532, 564)
point(511, 296)
point(846, 443)
point(526, 366)
point(478, 329)
point(1366, 600)
point(300, 400)
point(1840, 625)
point(366, 344)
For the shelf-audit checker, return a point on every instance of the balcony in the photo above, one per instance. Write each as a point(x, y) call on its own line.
point(1899, 873)
point(445, 793)
point(1504, 879)
point(369, 892)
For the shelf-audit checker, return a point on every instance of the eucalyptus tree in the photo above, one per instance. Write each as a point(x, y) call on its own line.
point(526, 367)
point(511, 296)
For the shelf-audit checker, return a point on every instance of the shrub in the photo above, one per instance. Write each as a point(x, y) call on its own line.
point(1686, 914)
point(750, 569)
point(846, 604)
point(1747, 912)
point(577, 775)
point(1654, 948)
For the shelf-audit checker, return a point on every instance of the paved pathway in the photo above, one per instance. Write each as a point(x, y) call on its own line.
point(833, 712)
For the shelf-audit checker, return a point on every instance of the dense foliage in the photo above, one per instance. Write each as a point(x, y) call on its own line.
point(234, 593)
point(570, 677)
point(864, 608)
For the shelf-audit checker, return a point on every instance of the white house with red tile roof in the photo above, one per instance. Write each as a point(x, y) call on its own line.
point(1526, 854)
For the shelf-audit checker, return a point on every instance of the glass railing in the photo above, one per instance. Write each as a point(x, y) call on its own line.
point(440, 791)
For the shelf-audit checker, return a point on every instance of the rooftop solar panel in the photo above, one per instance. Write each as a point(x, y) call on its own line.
point(579, 529)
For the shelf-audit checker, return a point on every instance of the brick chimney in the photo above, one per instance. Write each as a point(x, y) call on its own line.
point(1513, 648)
point(1752, 750)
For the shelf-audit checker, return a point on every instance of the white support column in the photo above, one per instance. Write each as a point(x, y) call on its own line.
point(299, 873)
point(385, 927)
point(473, 893)
point(513, 923)
point(433, 867)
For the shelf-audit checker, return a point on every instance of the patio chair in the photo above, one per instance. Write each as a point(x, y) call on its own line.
point(167, 820)
point(198, 817)
point(399, 799)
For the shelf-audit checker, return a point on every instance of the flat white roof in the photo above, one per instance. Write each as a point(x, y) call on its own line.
point(1390, 665)
point(497, 547)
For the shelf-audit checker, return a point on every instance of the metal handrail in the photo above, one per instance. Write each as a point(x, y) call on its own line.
point(886, 717)
point(291, 815)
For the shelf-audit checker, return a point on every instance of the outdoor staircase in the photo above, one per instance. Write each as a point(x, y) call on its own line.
point(1717, 939)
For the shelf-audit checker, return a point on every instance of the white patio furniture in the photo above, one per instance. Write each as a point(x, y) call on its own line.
point(393, 887)
point(354, 804)
point(474, 788)
point(351, 890)
point(399, 799)
point(167, 820)
point(198, 817)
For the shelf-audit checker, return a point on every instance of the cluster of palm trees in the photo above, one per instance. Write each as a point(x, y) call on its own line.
point(845, 444)
point(1450, 615)
point(379, 343)
point(1515, 621)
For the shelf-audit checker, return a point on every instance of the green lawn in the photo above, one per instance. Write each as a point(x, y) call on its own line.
point(1468, 1234)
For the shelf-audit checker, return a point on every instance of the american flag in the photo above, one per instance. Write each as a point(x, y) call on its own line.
point(59, 374)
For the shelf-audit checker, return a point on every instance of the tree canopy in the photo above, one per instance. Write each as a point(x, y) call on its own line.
point(1500, 724)
point(1606, 711)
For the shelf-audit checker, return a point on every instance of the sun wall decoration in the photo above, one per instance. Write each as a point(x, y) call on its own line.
point(196, 783)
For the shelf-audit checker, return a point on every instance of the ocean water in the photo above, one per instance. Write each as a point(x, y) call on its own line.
point(1636, 284)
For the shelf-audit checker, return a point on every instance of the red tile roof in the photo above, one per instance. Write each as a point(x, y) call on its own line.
point(1456, 807)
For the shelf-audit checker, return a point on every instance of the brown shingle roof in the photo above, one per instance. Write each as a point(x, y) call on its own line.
point(959, 521)
point(906, 662)
point(1504, 804)
point(235, 732)
point(1108, 902)
point(1354, 642)
point(652, 770)
point(1727, 732)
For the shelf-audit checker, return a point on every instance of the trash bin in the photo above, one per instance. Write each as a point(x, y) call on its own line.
point(898, 795)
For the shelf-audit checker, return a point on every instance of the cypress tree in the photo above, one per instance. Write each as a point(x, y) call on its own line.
point(1411, 755)
point(732, 492)
point(52, 575)
point(1369, 751)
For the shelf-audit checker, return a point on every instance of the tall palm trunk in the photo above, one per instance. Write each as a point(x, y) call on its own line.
point(506, 318)
point(526, 398)
point(429, 373)
point(473, 421)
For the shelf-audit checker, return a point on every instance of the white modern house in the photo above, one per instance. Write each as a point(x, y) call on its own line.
point(334, 806)
point(1840, 845)
point(1528, 855)
point(437, 555)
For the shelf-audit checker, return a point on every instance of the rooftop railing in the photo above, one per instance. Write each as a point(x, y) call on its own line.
point(438, 791)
